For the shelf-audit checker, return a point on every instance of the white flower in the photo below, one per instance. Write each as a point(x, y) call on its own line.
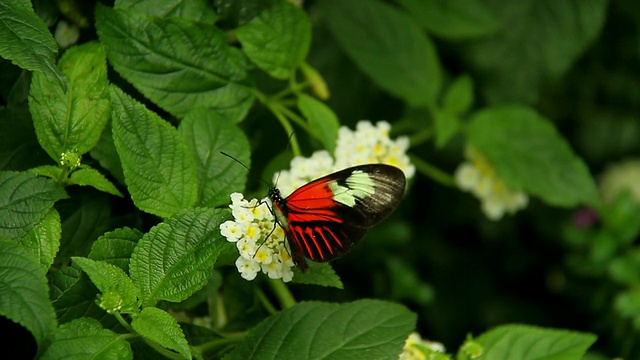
point(478, 177)
point(259, 242)
point(371, 144)
point(620, 177)
point(415, 347)
point(248, 269)
point(231, 230)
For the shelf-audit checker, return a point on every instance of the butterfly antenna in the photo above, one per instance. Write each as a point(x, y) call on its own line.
point(285, 149)
point(243, 165)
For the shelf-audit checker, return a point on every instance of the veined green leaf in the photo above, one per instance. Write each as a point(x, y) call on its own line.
point(112, 282)
point(368, 329)
point(530, 342)
point(26, 41)
point(72, 120)
point(85, 217)
point(43, 240)
point(86, 176)
point(206, 134)
point(24, 200)
point(106, 154)
point(74, 295)
point(116, 247)
point(388, 45)
point(85, 338)
point(199, 10)
point(319, 274)
point(529, 154)
point(278, 39)
point(323, 123)
point(178, 64)
point(25, 297)
point(158, 169)
point(175, 258)
point(159, 326)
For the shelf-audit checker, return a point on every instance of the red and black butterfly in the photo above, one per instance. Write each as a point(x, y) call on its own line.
point(326, 218)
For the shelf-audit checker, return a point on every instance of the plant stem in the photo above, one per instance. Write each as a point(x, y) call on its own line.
point(283, 294)
point(432, 171)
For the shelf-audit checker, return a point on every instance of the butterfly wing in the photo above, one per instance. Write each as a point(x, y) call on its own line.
point(327, 217)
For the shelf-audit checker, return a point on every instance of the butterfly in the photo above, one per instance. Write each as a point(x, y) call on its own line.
point(325, 218)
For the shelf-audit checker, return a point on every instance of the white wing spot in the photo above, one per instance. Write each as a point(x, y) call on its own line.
point(359, 186)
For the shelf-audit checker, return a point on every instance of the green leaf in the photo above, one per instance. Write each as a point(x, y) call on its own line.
point(206, 134)
point(387, 45)
point(112, 280)
point(278, 39)
point(116, 247)
point(318, 274)
point(453, 20)
point(530, 342)
point(528, 153)
point(364, 329)
point(72, 120)
point(74, 295)
point(50, 171)
point(459, 96)
point(178, 64)
point(175, 258)
point(25, 297)
point(26, 41)
point(24, 200)
point(85, 217)
point(542, 39)
point(85, 338)
point(86, 176)
point(199, 10)
point(106, 154)
point(159, 171)
point(323, 123)
point(43, 240)
point(446, 126)
point(160, 327)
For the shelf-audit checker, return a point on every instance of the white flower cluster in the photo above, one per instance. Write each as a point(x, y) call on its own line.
point(254, 222)
point(368, 144)
point(478, 177)
point(415, 348)
point(620, 177)
point(259, 240)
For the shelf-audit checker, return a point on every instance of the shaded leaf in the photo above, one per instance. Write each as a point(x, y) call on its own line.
point(388, 45)
point(529, 154)
point(25, 297)
point(24, 200)
point(26, 41)
point(323, 123)
point(116, 247)
point(43, 240)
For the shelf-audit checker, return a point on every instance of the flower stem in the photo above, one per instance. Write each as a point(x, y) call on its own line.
point(432, 171)
point(283, 294)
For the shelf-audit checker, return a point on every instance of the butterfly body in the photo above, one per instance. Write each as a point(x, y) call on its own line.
point(327, 217)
